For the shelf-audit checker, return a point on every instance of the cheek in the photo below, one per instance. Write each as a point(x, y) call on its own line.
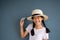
point(40, 19)
point(33, 20)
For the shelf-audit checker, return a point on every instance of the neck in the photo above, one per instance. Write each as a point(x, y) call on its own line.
point(38, 26)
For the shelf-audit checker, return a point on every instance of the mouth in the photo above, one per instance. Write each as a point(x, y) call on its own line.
point(37, 22)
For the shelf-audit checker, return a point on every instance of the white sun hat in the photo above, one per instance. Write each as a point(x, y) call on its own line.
point(37, 12)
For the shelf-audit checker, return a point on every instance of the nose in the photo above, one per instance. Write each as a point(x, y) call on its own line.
point(36, 19)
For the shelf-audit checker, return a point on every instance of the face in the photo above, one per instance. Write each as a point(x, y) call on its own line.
point(37, 19)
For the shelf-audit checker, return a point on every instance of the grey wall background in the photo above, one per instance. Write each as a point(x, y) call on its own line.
point(11, 12)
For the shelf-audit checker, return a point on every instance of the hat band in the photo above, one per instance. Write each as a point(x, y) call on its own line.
point(35, 14)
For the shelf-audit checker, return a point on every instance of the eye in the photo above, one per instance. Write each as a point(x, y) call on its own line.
point(38, 17)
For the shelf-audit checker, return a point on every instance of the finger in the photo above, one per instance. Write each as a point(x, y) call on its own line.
point(22, 21)
point(22, 18)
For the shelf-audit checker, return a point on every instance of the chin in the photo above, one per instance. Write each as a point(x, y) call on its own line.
point(37, 23)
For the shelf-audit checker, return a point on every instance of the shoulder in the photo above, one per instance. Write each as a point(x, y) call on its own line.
point(44, 28)
point(29, 27)
point(30, 24)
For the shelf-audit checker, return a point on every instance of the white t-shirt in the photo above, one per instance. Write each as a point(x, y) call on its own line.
point(39, 33)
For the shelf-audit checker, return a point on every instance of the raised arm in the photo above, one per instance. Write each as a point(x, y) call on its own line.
point(22, 32)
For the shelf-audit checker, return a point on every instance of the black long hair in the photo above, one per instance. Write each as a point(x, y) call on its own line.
point(32, 31)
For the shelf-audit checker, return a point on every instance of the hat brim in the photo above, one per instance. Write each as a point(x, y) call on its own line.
point(30, 17)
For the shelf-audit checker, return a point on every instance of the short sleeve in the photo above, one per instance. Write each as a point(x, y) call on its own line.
point(46, 36)
point(29, 27)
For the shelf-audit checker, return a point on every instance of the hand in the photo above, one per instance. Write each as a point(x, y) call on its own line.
point(22, 22)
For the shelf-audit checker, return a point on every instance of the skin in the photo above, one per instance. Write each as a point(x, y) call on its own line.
point(37, 20)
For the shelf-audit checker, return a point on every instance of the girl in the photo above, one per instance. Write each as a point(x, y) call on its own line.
point(37, 29)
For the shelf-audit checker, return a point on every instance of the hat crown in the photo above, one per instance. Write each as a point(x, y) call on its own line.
point(37, 11)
